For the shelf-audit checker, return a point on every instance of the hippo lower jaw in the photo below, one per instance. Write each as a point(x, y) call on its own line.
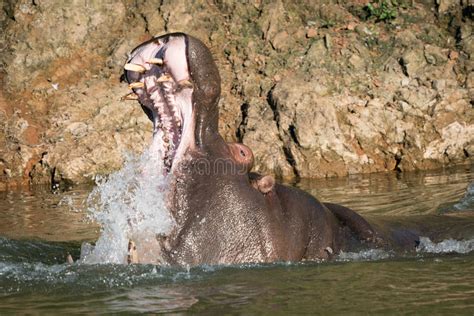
point(158, 74)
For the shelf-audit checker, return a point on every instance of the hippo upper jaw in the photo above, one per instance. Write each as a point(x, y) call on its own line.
point(158, 74)
point(177, 83)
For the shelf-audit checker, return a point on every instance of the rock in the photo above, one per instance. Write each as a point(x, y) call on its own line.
point(262, 136)
point(407, 39)
point(280, 41)
point(470, 81)
point(309, 126)
point(453, 55)
point(439, 84)
point(272, 19)
point(59, 49)
point(334, 14)
point(413, 61)
point(469, 149)
point(351, 26)
point(316, 51)
point(357, 62)
point(311, 32)
point(468, 46)
point(434, 55)
point(456, 138)
point(313, 90)
point(363, 30)
point(77, 129)
point(445, 5)
point(328, 41)
point(405, 82)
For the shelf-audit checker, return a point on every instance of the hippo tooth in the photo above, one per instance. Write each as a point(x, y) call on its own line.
point(155, 61)
point(185, 84)
point(69, 259)
point(164, 78)
point(130, 96)
point(132, 253)
point(135, 85)
point(134, 67)
point(329, 250)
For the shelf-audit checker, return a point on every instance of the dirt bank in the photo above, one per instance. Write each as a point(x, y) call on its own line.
point(316, 89)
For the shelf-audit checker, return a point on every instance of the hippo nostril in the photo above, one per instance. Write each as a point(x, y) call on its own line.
point(242, 153)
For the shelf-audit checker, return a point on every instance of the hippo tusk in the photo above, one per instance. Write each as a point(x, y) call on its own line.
point(164, 78)
point(135, 85)
point(69, 259)
point(134, 67)
point(155, 61)
point(129, 97)
point(185, 84)
point(132, 253)
point(329, 250)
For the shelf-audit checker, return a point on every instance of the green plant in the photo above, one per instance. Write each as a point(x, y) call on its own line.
point(382, 10)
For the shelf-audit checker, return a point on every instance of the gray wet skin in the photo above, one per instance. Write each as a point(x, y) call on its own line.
point(221, 214)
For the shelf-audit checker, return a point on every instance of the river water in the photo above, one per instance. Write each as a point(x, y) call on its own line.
point(38, 228)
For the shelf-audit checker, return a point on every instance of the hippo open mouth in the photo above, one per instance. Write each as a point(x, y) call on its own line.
point(222, 215)
point(158, 73)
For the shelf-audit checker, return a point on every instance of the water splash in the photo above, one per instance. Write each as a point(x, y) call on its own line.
point(467, 202)
point(426, 246)
point(129, 203)
point(445, 246)
point(365, 255)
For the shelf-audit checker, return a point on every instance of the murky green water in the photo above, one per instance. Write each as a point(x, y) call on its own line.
point(37, 229)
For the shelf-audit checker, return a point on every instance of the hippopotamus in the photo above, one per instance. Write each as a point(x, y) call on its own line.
point(224, 212)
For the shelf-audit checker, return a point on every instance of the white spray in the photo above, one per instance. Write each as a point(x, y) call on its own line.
point(128, 202)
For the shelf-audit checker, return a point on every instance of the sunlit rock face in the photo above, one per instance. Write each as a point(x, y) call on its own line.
point(326, 88)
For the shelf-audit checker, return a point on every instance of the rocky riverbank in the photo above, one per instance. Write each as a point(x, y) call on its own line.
point(316, 90)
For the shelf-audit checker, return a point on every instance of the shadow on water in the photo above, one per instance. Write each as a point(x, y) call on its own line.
point(38, 228)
